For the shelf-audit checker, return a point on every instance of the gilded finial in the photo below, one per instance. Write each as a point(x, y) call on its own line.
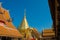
point(24, 12)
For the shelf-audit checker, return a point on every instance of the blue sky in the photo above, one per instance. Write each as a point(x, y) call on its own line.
point(37, 12)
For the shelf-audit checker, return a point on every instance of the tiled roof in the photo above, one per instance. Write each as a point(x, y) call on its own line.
point(9, 32)
point(4, 15)
point(7, 29)
point(48, 32)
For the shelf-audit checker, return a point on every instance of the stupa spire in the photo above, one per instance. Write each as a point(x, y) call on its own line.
point(25, 13)
point(24, 24)
point(24, 20)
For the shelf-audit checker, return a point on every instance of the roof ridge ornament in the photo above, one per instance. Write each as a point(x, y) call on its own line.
point(9, 20)
point(0, 4)
point(8, 11)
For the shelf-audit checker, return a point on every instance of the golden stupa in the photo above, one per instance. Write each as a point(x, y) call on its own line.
point(24, 27)
point(27, 32)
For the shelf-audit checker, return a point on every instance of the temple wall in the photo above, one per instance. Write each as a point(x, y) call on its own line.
point(14, 39)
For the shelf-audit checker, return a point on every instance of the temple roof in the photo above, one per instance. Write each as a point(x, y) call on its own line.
point(6, 26)
point(48, 32)
point(9, 32)
point(5, 16)
point(36, 33)
point(24, 24)
point(52, 8)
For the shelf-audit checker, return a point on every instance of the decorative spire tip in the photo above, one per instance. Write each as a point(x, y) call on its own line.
point(25, 12)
